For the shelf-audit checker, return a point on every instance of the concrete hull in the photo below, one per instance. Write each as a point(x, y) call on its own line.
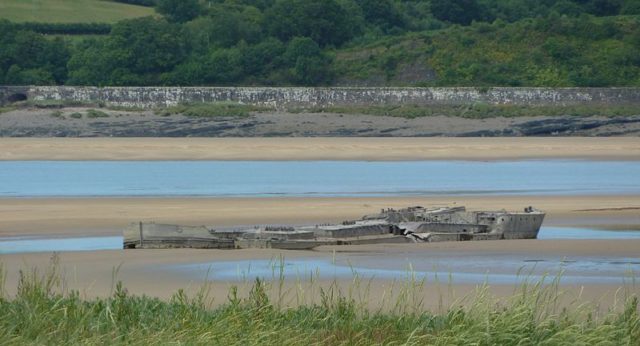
point(141, 235)
point(276, 244)
point(414, 224)
point(522, 226)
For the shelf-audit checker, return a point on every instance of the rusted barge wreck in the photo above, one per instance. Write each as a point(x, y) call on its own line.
point(413, 224)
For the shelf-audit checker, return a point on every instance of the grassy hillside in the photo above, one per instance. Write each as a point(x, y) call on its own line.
point(552, 52)
point(69, 11)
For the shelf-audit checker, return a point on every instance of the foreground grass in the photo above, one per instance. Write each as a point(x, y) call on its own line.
point(70, 11)
point(40, 314)
point(479, 111)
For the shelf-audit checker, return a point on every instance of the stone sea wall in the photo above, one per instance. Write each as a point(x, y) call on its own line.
point(283, 97)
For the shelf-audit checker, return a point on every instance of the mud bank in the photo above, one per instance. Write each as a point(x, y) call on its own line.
point(73, 122)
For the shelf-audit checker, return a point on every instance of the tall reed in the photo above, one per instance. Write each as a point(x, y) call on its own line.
point(274, 312)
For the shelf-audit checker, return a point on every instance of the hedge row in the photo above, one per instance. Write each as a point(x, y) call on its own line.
point(67, 28)
point(148, 3)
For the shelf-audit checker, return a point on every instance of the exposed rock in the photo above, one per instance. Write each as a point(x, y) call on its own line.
point(40, 123)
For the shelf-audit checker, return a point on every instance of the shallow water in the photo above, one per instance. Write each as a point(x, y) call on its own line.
point(474, 267)
point(493, 270)
point(314, 178)
point(33, 244)
point(549, 232)
point(25, 244)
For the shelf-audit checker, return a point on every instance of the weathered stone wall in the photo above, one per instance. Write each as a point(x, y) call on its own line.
point(147, 97)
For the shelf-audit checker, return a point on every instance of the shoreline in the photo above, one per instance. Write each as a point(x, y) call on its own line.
point(320, 149)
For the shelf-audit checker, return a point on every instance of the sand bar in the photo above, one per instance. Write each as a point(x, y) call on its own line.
point(108, 216)
point(150, 272)
point(382, 149)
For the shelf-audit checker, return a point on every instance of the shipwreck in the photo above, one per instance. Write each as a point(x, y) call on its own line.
point(413, 224)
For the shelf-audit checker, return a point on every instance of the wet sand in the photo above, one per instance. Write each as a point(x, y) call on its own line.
point(150, 272)
point(108, 216)
point(382, 149)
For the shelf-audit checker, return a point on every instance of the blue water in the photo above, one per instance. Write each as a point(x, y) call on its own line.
point(471, 268)
point(32, 244)
point(9, 245)
point(585, 233)
point(504, 269)
point(314, 178)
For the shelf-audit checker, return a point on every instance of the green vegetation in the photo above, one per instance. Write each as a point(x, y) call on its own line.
point(94, 113)
point(40, 314)
point(179, 11)
point(479, 111)
point(218, 109)
point(70, 11)
point(555, 43)
point(76, 115)
point(552, 52)
point(149, 3)
point(67, 28)
point(125, 108)
point(7, 109)
point(57, 114)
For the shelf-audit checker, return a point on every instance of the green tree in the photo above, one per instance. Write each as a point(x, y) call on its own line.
point(179, 11)
point(225, 27)
point(224, 66)
point(569, 8)
point(382, 13)
point(309, 65)
point(630, 7)
point(605, 7)
point(457, 11)
point(35, 76)
point(30, 58)
point(92, 64)
point(324, 21)
point(137, 51)
point(7, 34)
point(147, 45)
point(190, 72)
point(260, 59)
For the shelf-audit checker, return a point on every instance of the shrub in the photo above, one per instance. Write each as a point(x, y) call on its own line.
point(94, 113)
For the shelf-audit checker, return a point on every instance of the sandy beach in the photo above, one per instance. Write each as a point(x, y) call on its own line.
point(108, 216)
point(371, 149)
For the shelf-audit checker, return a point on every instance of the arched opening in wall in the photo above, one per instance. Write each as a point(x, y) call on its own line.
point(17, 97)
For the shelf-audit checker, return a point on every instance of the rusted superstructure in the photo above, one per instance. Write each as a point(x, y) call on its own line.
point(413, 224)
